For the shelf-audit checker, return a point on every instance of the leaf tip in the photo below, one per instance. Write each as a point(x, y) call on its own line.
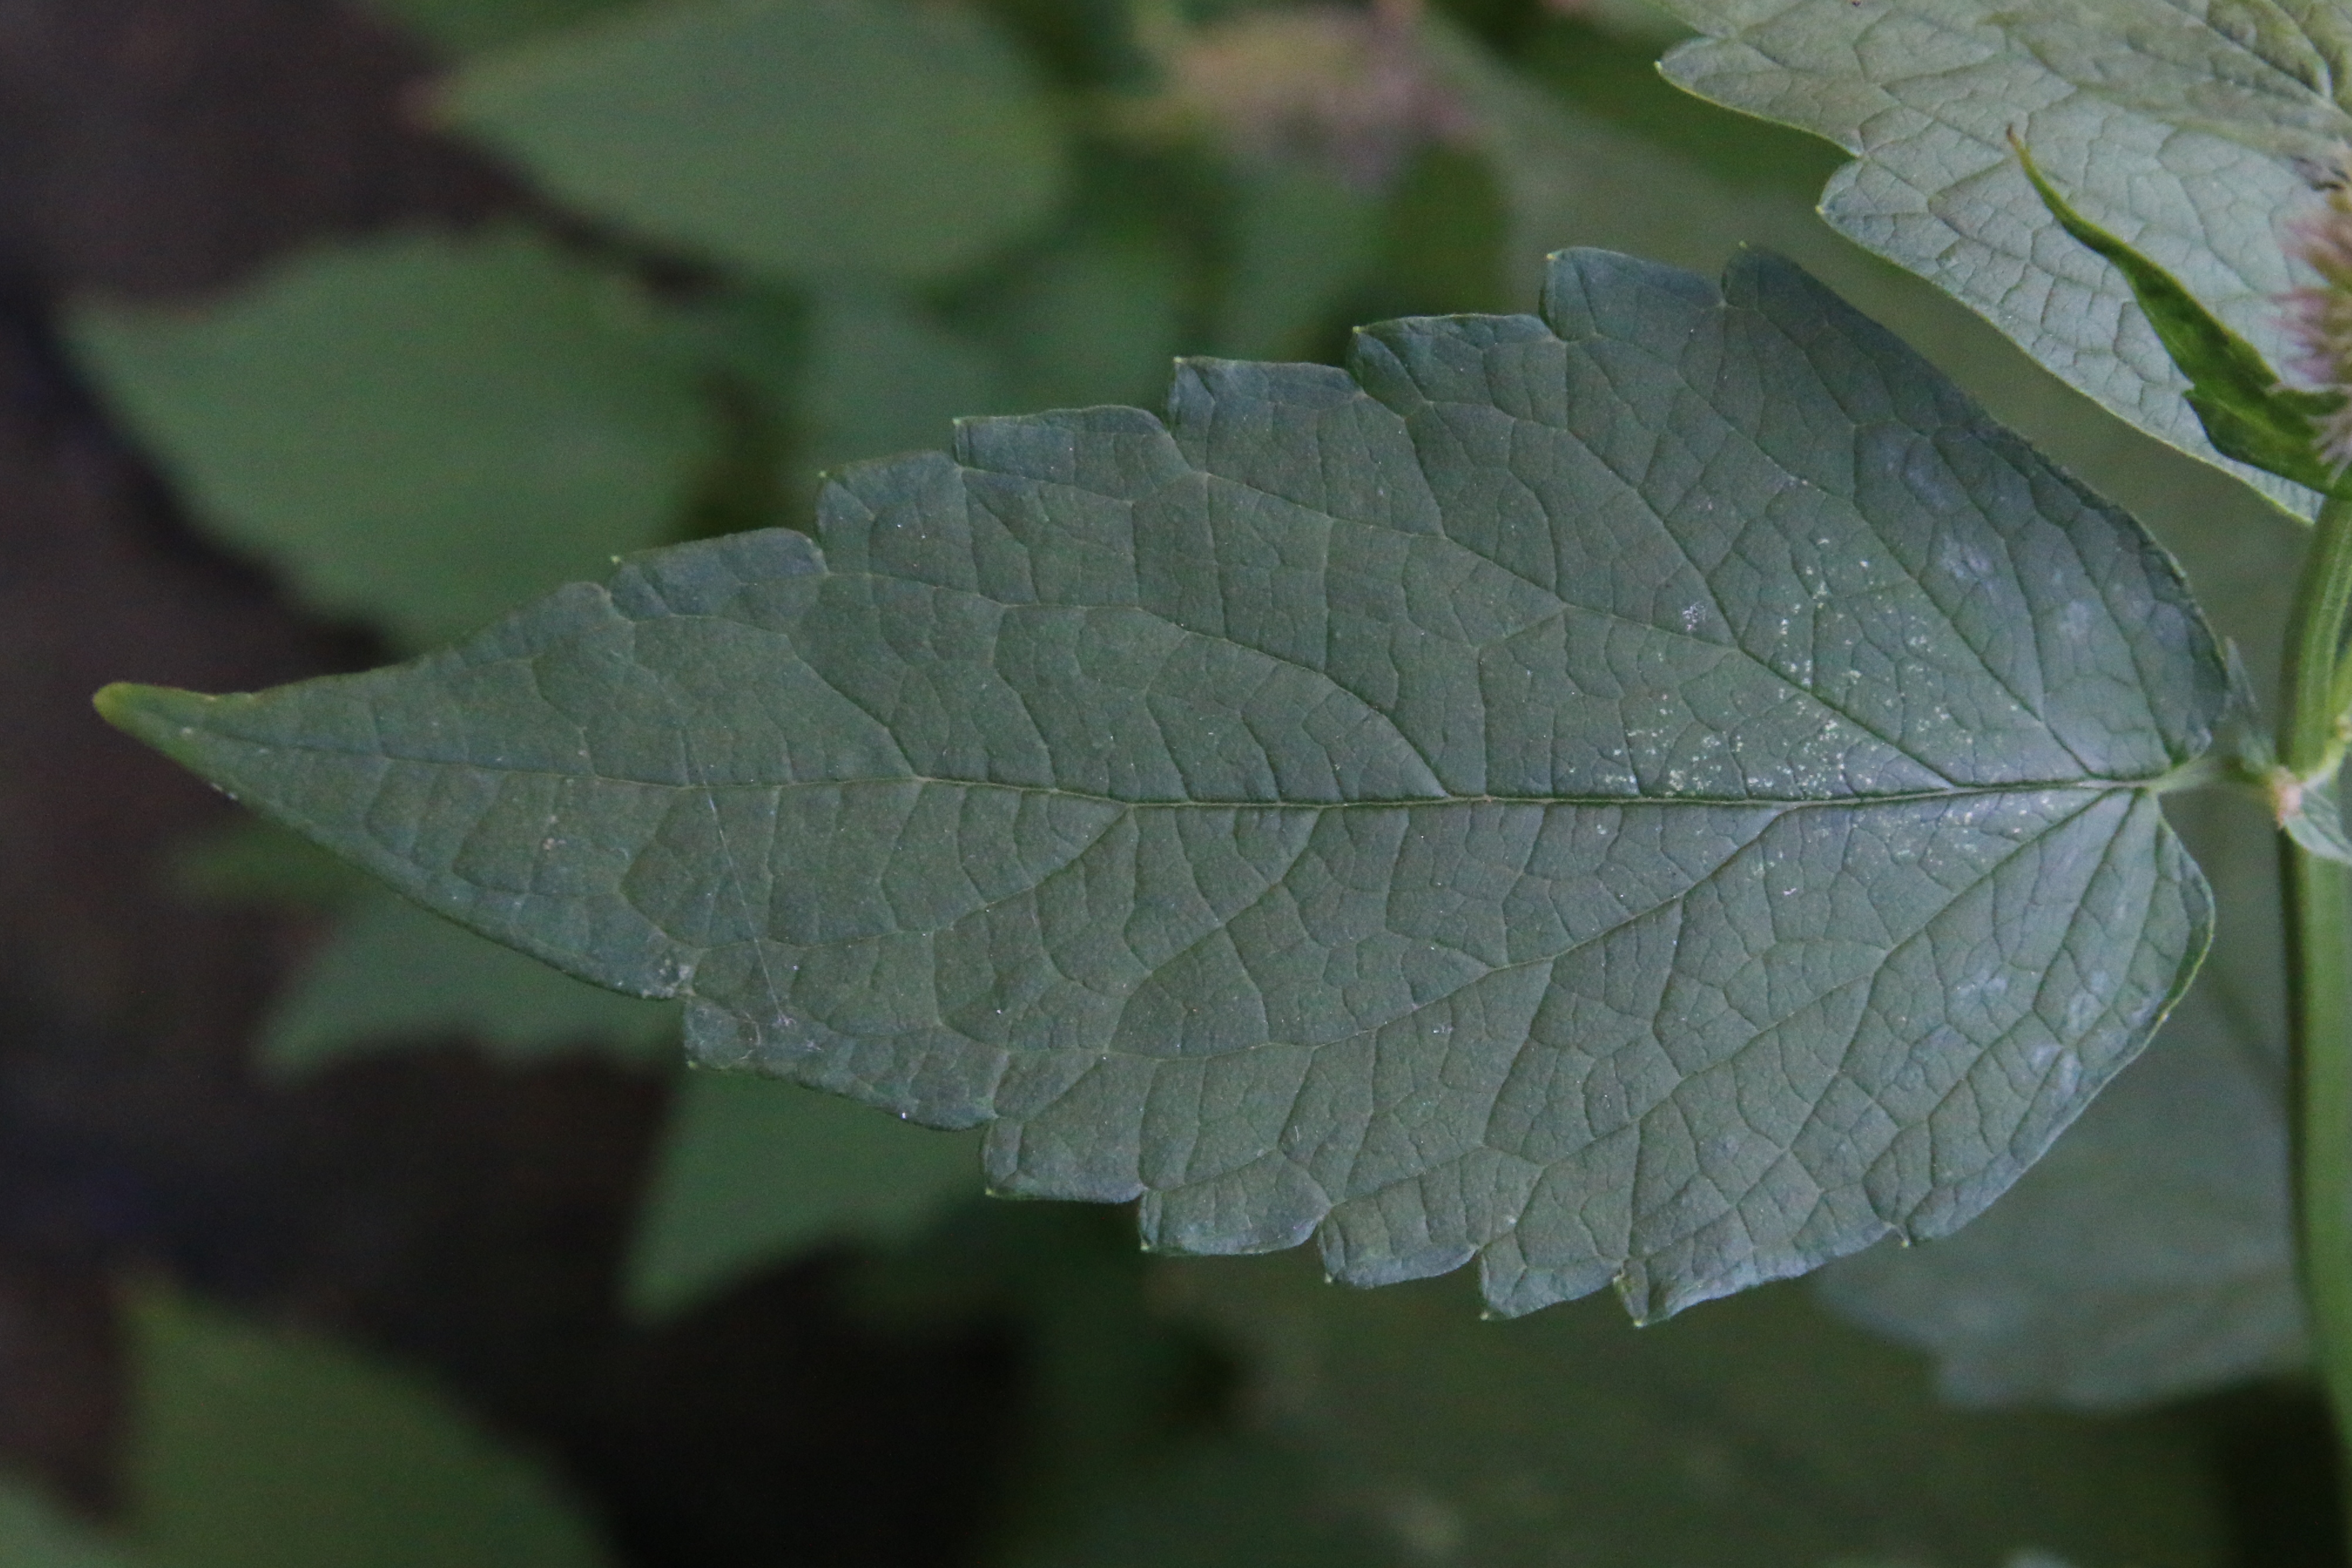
point(174, 722)
point(155, 715)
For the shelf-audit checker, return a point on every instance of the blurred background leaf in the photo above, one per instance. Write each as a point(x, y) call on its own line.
point(250, 1449)
point(752, 1170)
point(807, 139)
point(386, 973)
point(2151, 1254)
point(1758, 1433)
point(391, 972)
point(1236, 1500)
point(417, 429)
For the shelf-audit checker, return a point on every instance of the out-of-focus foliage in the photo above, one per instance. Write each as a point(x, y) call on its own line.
point(1752, 1435)
point(387, 973)
point(1216, 1502)
point(412, 428)
point(33, 1533)
point(251, 1448)
point(752, 1170)
point(463, 27)
point(391, 971)
point(807, 139)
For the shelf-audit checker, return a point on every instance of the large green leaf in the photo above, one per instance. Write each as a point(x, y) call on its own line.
point(419, 430)
point(2260, 72)
point(253, 1450)
point(2175, 126)
point(811, 139)
point(1658, 793)
point(1761, 1435)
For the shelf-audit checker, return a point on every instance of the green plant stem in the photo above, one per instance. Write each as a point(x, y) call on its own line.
point(2319, 950)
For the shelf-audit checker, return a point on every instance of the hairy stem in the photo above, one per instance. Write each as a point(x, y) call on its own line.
point(2319, 954)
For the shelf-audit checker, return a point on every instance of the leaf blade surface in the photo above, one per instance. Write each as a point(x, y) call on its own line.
point(1651, 794)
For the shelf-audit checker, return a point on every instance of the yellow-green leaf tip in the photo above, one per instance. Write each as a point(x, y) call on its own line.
point(159, 715)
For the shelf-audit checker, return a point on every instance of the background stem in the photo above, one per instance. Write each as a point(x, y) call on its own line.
point(2319, 955)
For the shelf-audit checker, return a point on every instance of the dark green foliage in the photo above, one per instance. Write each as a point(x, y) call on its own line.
point(249, 1448)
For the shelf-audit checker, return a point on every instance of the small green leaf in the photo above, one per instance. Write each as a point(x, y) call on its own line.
point(1659, 793)
point(2247, 412)
point(392, 974)
point(810, 139)
point(251, 1449)
point(1762, 1433)
point(751, 1172)
point(418, 429)
point(2315, 820)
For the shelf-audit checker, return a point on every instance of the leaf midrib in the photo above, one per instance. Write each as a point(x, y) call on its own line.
point(1403, 803)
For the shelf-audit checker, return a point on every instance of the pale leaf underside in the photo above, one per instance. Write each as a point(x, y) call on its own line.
point(1654, 793)
point(2188, 128)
